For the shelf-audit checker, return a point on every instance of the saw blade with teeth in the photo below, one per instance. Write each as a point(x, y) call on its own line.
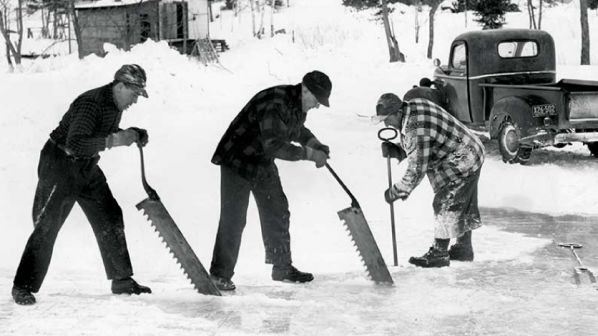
point(366, 245)
point(178, 246)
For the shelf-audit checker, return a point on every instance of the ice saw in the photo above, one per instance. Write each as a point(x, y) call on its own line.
point(174, 239)
point(363, 238)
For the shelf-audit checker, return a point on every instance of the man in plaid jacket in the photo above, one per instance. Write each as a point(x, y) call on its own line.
point(270, 126)
point(68, 173)
point(439, 146)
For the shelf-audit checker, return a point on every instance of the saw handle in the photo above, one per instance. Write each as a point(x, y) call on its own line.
point(153, 195)
point(354, 202)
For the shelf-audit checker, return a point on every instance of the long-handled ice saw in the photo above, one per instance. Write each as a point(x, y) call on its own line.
point(172, 236)
point(392, 208)
point(577, 271)
point(363, 238)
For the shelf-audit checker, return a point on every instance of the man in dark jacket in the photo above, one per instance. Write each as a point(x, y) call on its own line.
point(265, 130)
point(68, 173)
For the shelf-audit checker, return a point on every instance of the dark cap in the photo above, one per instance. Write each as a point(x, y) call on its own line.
point(388, 104)
point(319, 84)
point(133, 76)
point(425, 82)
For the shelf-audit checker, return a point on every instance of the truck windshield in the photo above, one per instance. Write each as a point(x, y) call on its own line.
point(512, 49)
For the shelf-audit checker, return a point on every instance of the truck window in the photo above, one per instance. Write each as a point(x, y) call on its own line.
point(512, 49)
point(459, 60)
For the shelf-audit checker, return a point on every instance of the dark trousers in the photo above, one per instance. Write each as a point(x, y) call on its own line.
point(273, 208)
point(64, 181)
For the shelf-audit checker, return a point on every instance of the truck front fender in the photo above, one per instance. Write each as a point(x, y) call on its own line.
point(517, 109)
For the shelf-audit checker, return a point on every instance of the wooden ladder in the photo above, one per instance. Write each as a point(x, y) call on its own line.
point(205, 50)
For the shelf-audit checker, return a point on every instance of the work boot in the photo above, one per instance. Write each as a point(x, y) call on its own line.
point(460, 252)
point(129, 286)
point(22, 296)
point(290, 273)
point(433, 258)
point(222, 283)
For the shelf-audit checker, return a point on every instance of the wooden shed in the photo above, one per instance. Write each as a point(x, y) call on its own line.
point(125, 23)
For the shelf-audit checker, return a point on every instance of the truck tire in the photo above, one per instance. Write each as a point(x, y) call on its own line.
point(593, 147)
point(509, 146)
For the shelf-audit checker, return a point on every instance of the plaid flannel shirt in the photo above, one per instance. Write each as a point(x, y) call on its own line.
point(265, 130)
point(89, 120)
point(438, 145)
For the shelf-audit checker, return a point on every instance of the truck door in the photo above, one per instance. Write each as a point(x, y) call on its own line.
point(455, 81)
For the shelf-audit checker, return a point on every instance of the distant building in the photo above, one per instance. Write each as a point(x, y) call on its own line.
point(125, 23)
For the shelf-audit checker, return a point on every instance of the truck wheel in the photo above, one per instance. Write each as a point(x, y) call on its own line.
point(593, 147)
point(508, 142)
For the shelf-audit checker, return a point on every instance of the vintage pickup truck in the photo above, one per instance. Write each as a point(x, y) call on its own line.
point(505, 81)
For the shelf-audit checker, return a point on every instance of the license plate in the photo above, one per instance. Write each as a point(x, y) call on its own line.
point(543, 110)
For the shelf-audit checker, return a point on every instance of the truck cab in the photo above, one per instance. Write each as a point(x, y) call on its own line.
point(504, 80)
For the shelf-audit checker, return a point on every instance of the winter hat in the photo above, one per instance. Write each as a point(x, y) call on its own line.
point(388, 104)
point(319, 84)
point(133, 76)
point(425, 82)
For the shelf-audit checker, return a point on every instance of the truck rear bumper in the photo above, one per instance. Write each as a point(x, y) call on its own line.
point(576, 137)
point(544, 138)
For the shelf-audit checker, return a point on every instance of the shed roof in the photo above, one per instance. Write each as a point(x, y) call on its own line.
point(86, 4)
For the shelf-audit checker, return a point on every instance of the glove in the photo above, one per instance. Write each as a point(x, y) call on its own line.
point(394, 151)
point(316, 144)
point(323, 148)
point(121, 138)
point(393, 193)
point(317, 156)
point(142, 134)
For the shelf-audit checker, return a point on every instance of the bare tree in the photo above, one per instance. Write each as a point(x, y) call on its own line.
point(272, 5)
point(77, 28)
point(433, 7)
point(260, 31)
point(540, 15)
point(418, 8)
point(585, 33)
point(393, 45)
point(251, 5)
point(531, 14)
point(13, 48)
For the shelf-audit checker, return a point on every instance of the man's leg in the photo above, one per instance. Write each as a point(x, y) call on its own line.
point(469, 220)
point(273, 207)
point(52, 204)
point(234, 200)
point(106, 219)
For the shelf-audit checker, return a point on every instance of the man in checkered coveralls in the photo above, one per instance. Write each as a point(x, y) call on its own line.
point(439, 146)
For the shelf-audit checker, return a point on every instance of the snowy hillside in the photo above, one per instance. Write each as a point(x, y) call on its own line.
point(519, 276)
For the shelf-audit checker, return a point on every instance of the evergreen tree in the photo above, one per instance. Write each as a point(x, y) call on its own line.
point(365, 4)
point(459, 5)
point(491, 13)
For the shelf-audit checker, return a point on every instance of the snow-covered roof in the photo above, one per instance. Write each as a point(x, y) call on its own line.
point(82, 4)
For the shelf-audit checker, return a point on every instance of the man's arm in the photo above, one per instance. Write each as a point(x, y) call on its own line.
point(275, 135)
point(85, 115)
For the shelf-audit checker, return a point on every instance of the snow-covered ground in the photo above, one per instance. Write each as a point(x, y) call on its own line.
point(520, 284)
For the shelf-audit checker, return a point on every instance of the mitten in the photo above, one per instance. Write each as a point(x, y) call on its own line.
point(142, 134)
point(317, 156)
point(394, 151)
point(393, 193)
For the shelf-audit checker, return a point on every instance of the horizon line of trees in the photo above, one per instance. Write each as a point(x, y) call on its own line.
point(490, 14)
